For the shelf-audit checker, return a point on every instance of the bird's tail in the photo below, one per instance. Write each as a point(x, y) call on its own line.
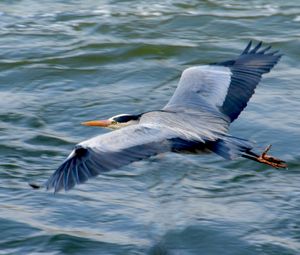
point(230, 147)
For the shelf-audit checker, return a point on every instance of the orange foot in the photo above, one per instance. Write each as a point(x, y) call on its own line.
point(271, 161)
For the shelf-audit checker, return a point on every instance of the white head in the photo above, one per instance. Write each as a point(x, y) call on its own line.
point(115, 122)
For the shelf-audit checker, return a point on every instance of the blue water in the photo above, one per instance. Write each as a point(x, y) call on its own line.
point(64, 62)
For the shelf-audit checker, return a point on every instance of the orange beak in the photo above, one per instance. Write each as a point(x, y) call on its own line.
point(97, 123)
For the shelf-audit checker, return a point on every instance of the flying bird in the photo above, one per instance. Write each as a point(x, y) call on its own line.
point(206, 101)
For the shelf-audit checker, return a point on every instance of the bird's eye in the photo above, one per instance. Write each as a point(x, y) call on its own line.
point(114, 122)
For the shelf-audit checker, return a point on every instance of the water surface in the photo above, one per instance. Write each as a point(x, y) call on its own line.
point(64, 62)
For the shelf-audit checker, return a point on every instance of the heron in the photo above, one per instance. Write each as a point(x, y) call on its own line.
point(196, 119)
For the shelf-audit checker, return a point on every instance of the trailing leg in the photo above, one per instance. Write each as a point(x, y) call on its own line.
point(265, 159)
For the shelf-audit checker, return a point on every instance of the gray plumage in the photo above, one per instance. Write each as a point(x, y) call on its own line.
point(197, 117)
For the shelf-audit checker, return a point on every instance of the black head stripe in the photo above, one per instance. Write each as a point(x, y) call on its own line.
point(126, 118)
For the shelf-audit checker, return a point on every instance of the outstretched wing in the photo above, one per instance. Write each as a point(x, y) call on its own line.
point(109, 151)
point(228, 85)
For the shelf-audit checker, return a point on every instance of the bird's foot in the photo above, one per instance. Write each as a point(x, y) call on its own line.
point(271, 161)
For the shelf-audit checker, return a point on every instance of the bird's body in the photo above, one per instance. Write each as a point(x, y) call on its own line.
point(197, 117)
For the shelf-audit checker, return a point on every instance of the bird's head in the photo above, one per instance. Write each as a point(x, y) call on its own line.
point(115, 122)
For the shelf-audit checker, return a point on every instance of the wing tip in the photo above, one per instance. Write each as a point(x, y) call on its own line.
point(57, 181)
point(258, 49)
point(74, 170)
point(35, 185)
point(246, 50)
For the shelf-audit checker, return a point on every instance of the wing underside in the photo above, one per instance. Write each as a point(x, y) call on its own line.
point(226, 86)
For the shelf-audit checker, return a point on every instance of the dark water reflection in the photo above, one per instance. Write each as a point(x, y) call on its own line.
point(64, 62)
